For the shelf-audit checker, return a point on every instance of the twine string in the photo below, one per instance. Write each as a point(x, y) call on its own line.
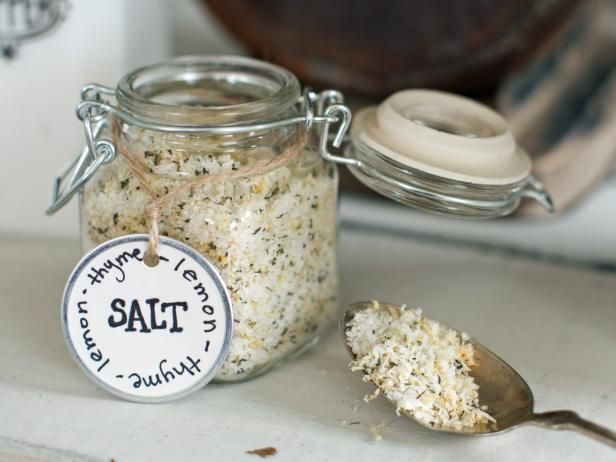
point(153, 207)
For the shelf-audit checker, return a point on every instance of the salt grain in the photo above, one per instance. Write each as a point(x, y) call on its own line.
point(272, 237)
point(419, 364)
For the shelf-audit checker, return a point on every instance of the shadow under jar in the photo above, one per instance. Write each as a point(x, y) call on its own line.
point(272, 236)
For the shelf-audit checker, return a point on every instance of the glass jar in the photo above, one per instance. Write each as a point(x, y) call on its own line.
point(272, 236)
point(184, 131)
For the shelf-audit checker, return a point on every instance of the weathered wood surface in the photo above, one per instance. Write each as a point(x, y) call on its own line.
point(556, 325)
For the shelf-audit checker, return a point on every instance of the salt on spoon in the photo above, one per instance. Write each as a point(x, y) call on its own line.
point(505, 400)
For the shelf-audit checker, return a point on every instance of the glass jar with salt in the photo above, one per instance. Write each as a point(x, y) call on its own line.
point(259, 204)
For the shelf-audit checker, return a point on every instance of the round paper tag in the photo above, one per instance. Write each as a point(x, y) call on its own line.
point(147, 333)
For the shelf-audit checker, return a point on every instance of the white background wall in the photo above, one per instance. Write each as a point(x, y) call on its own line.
point(98, 42)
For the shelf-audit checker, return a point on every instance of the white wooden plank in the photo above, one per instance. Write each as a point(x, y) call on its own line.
point(556, 325)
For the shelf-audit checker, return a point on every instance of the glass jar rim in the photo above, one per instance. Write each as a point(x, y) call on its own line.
point(281, 90)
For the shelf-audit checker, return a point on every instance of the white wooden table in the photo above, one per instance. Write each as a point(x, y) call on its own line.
point(555, 325)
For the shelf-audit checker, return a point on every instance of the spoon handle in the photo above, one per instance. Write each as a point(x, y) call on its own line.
point(569, 420)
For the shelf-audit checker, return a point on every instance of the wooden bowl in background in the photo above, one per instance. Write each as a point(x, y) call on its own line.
point(375, 47)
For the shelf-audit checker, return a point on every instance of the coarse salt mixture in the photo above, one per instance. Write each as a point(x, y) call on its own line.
point(272, 237)
point(419, 364)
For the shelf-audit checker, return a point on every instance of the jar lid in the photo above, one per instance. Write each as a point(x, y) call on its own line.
point(442, 152)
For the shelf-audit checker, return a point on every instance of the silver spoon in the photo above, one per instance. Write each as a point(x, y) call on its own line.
point(508, 397)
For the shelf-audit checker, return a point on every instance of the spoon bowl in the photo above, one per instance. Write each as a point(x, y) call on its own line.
point(506, 394)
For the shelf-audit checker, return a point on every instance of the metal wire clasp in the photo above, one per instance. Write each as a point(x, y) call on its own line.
point(96, 152)
point(95, 112)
